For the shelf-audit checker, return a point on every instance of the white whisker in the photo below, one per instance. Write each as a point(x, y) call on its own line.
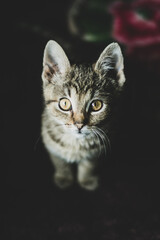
point(36, 143)
point(104, 138)
point(100, 147)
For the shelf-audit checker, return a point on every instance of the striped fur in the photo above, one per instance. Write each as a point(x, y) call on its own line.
point(81, 84)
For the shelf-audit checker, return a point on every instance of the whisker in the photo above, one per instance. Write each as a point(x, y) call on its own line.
point(100, 147)
point(104, 142)
point(36, 143)
point(107, 138)
point(104, 138)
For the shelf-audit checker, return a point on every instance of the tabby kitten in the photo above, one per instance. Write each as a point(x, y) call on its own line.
point(78, 111)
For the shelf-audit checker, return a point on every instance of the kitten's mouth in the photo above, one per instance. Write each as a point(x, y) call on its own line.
point(82, 132)
point(79, 131)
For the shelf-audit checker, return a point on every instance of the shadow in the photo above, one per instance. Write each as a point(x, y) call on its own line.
point(127, 203)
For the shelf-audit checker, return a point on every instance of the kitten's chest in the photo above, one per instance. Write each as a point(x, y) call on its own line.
point(71, 148)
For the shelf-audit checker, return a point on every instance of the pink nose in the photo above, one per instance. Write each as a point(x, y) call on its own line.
point(79, 126)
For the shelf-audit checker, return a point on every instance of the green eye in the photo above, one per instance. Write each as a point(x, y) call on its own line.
point(65, 104)
point(96, 105)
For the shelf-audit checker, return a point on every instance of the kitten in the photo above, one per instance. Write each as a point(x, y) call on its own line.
point(78, 111)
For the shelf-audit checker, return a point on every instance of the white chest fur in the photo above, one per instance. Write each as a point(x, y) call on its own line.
point(74, 148)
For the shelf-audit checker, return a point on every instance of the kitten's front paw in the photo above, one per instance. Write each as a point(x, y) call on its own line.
point(63, 181)
point(90, 183)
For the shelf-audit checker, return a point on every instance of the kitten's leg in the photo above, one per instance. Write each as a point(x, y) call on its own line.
point(63, 175)
point(87, 177)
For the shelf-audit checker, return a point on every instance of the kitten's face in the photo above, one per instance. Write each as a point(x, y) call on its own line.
point(78, 98)
point(75, 108)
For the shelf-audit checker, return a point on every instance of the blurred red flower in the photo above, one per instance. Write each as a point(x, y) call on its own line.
point(137, 25)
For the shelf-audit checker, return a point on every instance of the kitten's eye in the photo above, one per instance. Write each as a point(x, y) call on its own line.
point(96, 105)
point(65, 104)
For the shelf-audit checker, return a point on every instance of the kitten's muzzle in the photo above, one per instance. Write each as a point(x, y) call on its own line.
point(79, 126)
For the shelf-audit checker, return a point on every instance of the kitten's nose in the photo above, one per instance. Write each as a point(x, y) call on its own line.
point(79, 126)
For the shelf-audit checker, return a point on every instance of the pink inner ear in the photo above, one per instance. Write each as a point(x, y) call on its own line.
point(49, 71)
point(54, 68)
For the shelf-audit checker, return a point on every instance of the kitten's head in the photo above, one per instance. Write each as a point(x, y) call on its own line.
point(79, 97)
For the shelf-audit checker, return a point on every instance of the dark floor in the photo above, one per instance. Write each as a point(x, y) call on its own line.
point(126, 206)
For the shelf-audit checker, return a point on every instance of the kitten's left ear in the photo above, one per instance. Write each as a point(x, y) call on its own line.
point(110, 63)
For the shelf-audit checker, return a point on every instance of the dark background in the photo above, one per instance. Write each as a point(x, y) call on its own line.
point(126, 206)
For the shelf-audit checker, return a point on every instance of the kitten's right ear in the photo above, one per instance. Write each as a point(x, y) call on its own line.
point(55, 61)
point(110, 63)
